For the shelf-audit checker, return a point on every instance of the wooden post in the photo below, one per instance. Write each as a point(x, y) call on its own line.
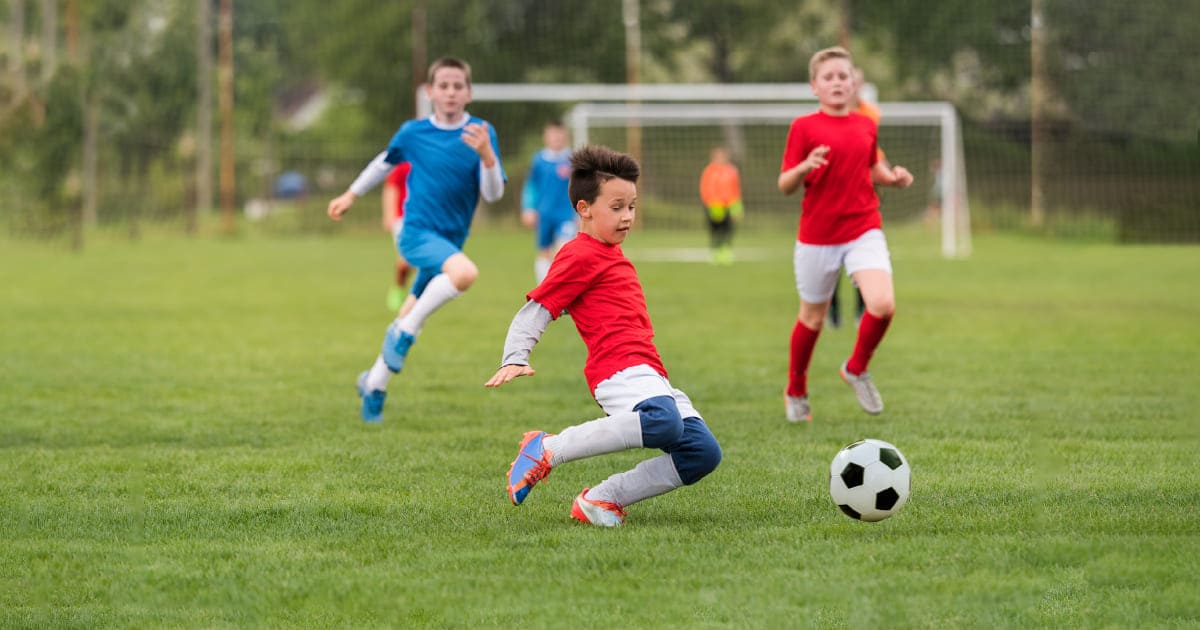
point(225, 89)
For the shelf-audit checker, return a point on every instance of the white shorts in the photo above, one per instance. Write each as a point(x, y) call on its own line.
point(625, 389)
point(817, 266)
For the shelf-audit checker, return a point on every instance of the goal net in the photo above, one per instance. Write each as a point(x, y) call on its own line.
point(675, 139)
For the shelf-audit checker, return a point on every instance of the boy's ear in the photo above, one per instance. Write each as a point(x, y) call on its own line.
point(584, 210)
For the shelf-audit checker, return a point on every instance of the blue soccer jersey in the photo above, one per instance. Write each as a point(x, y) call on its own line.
point(546, 188)
point(443, 187)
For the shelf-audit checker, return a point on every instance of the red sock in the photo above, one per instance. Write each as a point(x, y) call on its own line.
point(804, 339)
point(870, 333)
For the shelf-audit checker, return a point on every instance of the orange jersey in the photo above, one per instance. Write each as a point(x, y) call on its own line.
point(720, 184)
point(870, 111)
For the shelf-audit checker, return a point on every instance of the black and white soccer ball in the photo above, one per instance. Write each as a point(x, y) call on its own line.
point(869, 480)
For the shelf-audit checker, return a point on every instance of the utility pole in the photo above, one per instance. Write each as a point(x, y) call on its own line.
point(1037, 114)
point(844, 24)
point(225, 89)
point(204, 114)
point(420, 50)
point(630, 11)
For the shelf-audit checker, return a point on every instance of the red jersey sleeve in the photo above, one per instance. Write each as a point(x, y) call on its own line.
point(569, 275)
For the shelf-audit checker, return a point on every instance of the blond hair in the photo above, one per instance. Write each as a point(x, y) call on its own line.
point(821, 56)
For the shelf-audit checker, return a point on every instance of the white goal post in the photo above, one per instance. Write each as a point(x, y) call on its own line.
point(651, 105)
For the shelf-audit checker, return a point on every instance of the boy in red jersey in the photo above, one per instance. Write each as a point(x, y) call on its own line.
point(592, 278)
point(833, 153)
point(395, 191)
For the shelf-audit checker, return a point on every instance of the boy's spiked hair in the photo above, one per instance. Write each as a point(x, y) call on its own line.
point(448, 62)
point(593, 165)
point(825, 54)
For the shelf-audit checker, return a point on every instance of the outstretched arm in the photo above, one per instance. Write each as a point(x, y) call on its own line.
point(371, 176)
point(523, 334)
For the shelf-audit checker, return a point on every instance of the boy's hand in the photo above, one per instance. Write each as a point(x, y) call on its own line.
point(903, 178)
point(476, 136)
point(508, 373)
point(340, 205)
point(816, 159)
point(529, 218)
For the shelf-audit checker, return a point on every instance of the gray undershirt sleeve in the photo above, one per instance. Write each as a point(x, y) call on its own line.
point(373, 175)
point(524, 332)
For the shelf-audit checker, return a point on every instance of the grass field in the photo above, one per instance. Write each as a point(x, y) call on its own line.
point(180, 445)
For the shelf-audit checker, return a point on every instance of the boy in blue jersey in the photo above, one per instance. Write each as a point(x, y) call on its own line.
point(545, 205)
point(455, 160)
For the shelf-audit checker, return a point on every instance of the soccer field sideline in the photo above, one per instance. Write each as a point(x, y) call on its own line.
point(182, 446)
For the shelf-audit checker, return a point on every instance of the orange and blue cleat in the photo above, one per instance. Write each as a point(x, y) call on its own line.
point(531, 466)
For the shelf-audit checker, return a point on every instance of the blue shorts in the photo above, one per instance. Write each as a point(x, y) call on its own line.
point(427, 251)
point(551, 232)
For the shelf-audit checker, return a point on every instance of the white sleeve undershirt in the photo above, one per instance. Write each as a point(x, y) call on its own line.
point(373, 175)
point(491, 182)
point(524, 332)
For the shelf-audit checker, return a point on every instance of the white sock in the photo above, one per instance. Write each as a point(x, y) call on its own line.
point(379, 375)
point(648, 479)
point(610, 434)
point(541, 267)
point(439, 291)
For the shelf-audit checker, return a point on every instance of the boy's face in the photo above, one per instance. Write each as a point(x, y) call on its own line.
point(609, 217)
point(834, 83)
point(555, 138)
point(449, 92)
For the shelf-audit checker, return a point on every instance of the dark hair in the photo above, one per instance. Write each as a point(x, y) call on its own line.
point(449, 62)
point(594, 165)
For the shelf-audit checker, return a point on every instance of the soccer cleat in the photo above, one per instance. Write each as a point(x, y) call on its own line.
point(797, 408)
point(531, 466)
point(864, 389)
point(599, 513)
point(372, 400)
point(396, 343)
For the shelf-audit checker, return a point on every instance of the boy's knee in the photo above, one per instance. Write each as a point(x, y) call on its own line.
point(662, 425)
point(698, 452)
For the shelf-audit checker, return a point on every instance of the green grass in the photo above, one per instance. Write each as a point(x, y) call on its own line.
point(180, 445)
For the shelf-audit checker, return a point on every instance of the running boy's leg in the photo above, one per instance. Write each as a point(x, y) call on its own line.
point(432, 254)
point(869, 263)
point(816, 268)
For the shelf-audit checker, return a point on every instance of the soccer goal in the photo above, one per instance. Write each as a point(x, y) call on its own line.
point(923, 136)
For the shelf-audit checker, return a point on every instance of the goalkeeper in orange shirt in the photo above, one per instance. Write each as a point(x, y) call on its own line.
point(721, 194)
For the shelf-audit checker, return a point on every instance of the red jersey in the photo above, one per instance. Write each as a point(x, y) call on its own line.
point(598, 285)
point(399, 178)
point(839, 199)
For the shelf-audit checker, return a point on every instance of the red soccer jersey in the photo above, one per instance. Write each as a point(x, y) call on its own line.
point(839, 199)
point(598, 285)
point(399, 178)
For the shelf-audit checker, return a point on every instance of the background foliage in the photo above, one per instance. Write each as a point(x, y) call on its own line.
point(1120, 147)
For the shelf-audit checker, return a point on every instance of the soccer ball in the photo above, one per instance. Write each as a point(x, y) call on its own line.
point(869, 480)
